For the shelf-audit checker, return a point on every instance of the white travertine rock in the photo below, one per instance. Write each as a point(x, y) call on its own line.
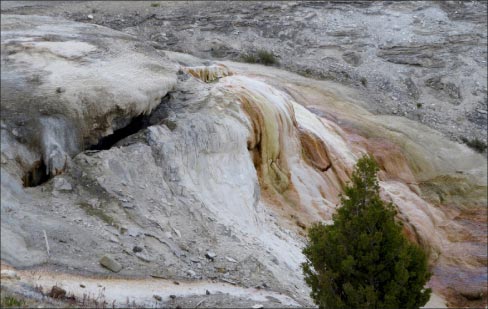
point(67, 84)
point(237, 167)
point(208, 73)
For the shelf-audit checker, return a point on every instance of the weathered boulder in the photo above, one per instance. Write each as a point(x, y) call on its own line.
point(111, 264)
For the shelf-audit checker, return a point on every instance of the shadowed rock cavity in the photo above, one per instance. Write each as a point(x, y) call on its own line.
point(55, 160)
point(135, 125)
point(36, 176)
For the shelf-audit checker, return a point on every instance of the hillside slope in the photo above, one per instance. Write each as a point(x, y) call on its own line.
point(190, 170)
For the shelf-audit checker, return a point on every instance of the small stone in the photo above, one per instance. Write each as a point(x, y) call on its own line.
point(207, 292)
point(137, 249)
point(176, 282)
point(257, 306)
point(172, 296)
point(210, 255)
point(90, 16)
point(229, 259)
point(60, 90)
point(61, 184)
point(57, 292)
point(177, 232)
point(157, 297)
point(191, 273)
point(82, 286)
point(110, 264)
point(482, 111)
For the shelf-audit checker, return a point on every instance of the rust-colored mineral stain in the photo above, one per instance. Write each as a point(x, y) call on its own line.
point(208, 74)
point(314, 150)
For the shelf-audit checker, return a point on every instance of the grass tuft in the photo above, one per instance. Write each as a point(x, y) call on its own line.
point(267, 58)
point(11, 302)
point(261, 56)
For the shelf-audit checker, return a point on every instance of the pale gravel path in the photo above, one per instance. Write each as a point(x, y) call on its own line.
point(122, 291)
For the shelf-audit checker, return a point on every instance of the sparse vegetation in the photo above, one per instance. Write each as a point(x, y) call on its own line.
point(363, 260)
point(419, 105)
point(11, 302)
point(267, 58)
point(475, 144)
point(261, 56)
point(155, 4)
point(249, 58)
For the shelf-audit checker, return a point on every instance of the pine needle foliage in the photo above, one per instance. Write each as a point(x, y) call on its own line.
point(363, 260)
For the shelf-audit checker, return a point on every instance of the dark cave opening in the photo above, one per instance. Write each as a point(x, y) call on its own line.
point(37, 175)
point(136, 124)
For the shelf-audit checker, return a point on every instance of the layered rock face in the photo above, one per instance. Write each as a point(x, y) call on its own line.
point(425, 61)
point(179, 168)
